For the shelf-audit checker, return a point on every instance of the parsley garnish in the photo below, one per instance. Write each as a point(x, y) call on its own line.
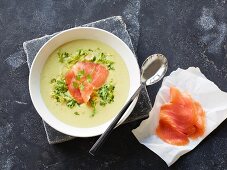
point(60, 93)
point(80, 74)
point(96, 56)
point(71, 103)
point(93, 103)
point(81, 86)
point(106, 94)
point(52, 81)
point(76, 113)
point(75, 84)
point(62, 56)
point(101, 58)
point(89, 78)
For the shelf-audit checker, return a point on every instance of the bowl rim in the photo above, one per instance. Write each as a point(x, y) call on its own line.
point(51, 123)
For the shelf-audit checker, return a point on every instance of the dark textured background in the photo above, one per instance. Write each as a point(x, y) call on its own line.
point(189, 33)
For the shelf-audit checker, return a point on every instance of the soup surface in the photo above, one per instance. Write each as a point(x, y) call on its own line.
point(103, 102)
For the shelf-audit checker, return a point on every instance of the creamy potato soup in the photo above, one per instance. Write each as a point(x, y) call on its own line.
point(84, 83)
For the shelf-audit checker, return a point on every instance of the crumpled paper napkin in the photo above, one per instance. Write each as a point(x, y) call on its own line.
point(212, 99)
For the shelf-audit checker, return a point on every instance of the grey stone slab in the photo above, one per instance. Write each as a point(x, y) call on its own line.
point(114, 25)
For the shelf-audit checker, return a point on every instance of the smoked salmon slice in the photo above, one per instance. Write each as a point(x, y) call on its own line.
point(181, 119)
point(200, 122)
point(168, 133)
point(84, 78)
point(98, 72)
point(74, 92)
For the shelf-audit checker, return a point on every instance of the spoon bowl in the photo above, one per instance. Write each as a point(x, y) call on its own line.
point(153, 69)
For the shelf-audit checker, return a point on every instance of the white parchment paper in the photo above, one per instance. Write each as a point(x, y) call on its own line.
point(212, 99)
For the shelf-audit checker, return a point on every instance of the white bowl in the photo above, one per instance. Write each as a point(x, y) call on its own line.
point(62, 38)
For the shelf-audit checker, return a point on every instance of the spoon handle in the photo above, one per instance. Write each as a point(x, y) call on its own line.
point(105, 135)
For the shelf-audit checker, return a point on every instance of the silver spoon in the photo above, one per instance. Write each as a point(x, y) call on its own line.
point(153, 70)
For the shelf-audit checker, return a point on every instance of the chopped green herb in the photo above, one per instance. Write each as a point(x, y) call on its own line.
point(93, 59)
point(89, 78)
point(82, 52)
point(93, 103)
point(71, 103)
point(96, 56)
point(60, 93)
point(81, 86)
point(73, 60)
point(60, 86)
point(101, 58)
point(52, 80)
point(62, 56)
point(80, 74)
point(76, 113)
point(110, 65)
point(78, 77)
point(106, 94)
point(75, 84)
